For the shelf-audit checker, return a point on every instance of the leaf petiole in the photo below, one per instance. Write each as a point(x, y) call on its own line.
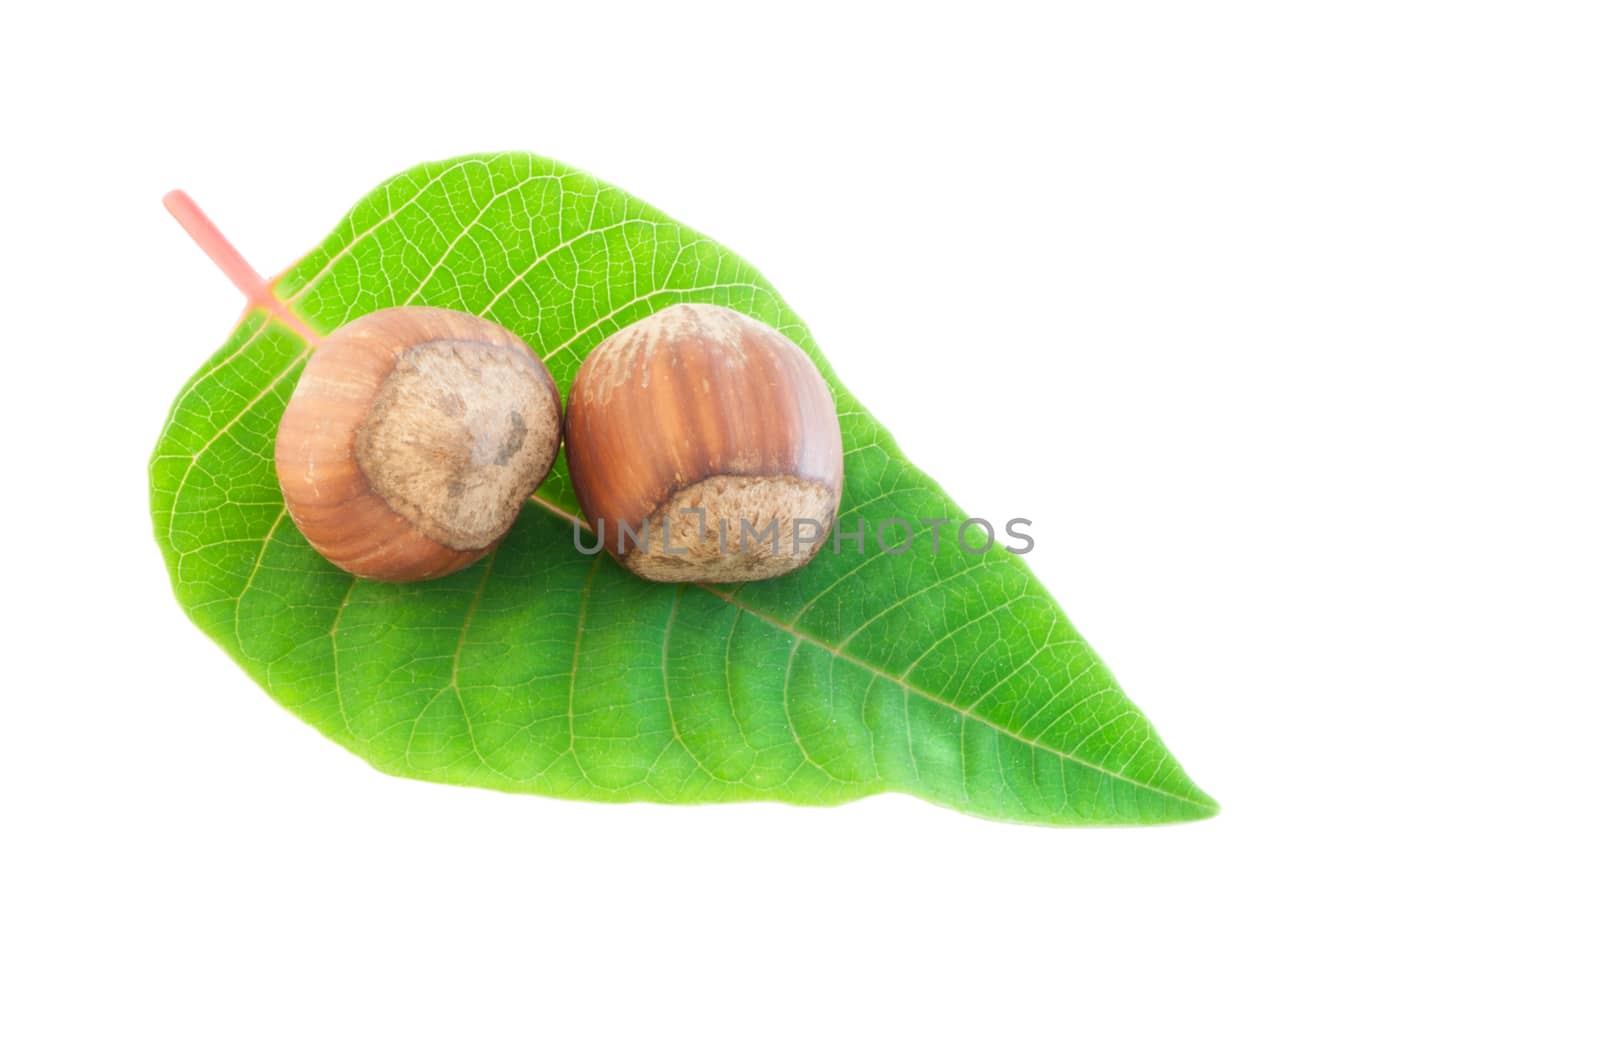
point(220, 250)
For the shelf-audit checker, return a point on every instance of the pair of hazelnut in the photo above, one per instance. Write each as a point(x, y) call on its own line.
point(416, 434)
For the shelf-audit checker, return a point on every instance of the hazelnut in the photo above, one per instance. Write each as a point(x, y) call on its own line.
point(704, 446)
point(412, 441)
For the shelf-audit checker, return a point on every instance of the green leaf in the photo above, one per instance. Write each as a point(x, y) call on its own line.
point(950, 676)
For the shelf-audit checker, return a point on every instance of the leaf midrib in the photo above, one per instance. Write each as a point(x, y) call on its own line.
point(909, 688)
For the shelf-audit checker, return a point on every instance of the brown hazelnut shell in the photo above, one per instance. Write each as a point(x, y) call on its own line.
point(701, 406)
point(398, 413)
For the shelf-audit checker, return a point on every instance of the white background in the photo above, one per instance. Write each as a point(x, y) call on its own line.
point(1282, 322)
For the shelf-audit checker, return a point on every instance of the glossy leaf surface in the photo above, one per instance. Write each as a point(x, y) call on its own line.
point(947, 675)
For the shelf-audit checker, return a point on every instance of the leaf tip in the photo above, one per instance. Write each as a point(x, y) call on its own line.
point(1200, 805)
